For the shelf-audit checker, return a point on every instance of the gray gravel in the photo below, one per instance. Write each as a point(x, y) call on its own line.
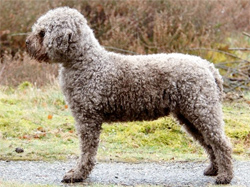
point(168, 174)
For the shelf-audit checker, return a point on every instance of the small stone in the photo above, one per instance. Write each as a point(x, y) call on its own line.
point(19, 150)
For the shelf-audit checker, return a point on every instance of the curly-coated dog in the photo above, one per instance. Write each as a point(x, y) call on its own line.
point(102, 86)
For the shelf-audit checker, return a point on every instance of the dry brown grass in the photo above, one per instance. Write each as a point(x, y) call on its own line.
point(14, 72)
point(141, 27)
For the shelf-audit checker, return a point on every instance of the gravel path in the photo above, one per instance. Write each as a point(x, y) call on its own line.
point(168, 174)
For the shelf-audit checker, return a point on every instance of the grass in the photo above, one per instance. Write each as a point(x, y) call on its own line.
point(39, 121)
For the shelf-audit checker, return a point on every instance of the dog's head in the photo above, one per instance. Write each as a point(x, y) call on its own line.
point(57, 35)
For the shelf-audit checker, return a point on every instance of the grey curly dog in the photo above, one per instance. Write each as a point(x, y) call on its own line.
point(102, 86)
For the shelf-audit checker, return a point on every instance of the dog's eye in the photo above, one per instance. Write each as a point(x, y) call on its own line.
point(42, 34)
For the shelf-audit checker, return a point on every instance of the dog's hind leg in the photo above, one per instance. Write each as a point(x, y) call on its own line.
point(216, 137)
point(207, 120)
point(212, 169)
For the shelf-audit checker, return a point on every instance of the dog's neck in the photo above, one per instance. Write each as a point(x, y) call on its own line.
point(88, 51)
point(88, 54)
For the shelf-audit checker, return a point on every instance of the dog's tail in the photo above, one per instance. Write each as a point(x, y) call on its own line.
point(218, 79)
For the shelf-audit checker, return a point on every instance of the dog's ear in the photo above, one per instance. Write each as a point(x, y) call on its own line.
point(60, 41)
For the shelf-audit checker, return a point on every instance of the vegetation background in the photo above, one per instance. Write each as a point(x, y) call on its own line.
point(211, 29)
point(35, 117)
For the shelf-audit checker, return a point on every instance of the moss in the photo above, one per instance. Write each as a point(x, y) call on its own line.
point(161, 133)
point(25, 85)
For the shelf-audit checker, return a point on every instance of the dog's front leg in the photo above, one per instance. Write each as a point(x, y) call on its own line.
point(88, 133)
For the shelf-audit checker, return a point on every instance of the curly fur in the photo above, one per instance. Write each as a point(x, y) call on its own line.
point(102, 86)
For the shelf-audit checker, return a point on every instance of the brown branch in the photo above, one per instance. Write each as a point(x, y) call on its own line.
point(20, 34)
point(2, 69)
point(246, 34)
point(239, 49)
point(120, 50)
point(237, 79)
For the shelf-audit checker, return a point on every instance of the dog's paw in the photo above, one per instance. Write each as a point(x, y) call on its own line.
point(72, 177)
point(223, 179)
point(211, 171)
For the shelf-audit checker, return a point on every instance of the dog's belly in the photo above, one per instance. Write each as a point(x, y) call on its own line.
point(131, 110)
point(133, 116)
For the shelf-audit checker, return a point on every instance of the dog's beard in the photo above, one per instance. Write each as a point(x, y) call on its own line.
point(38, 53)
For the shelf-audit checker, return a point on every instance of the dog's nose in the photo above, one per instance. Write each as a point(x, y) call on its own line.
point(27, 42)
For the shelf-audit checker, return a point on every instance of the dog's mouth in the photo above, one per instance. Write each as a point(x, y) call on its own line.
point(37, 53)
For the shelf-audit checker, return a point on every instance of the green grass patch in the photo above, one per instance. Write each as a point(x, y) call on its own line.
point(39, 121)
